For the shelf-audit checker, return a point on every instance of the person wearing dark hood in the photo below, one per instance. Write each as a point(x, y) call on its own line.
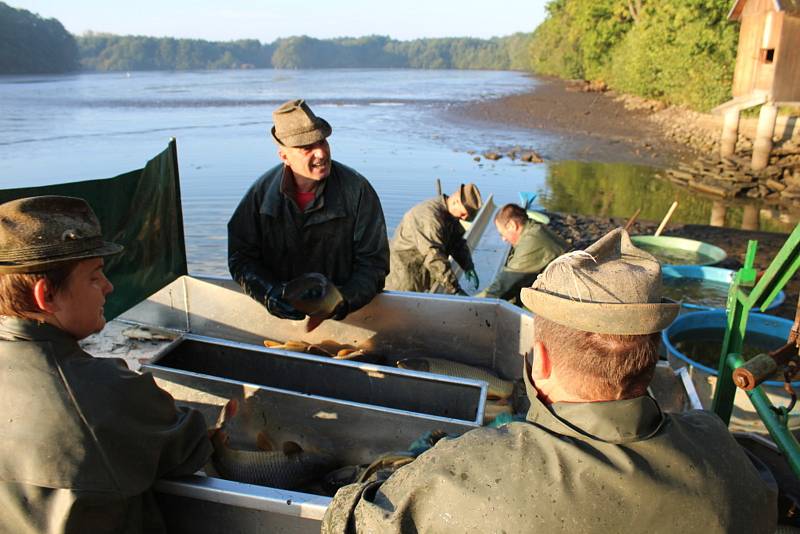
point(84, 439)
point(595, 454)
point(309, 214)
point(429, 233)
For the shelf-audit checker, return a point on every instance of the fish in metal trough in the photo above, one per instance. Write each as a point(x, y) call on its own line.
point(498, 388)
point(290, 467)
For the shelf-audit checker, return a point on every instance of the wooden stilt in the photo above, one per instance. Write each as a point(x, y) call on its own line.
point(750, 217)
point(730, 133)
point(718, 211)
point(762, 145)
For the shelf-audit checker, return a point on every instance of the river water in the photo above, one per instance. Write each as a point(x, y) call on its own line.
point(394, 126)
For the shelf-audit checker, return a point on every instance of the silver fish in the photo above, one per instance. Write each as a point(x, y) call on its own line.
point(258, 462)
point(498, 388)
point(289, 468)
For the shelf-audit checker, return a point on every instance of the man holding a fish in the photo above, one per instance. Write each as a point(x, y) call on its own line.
point(309, 214)
point(596, 454)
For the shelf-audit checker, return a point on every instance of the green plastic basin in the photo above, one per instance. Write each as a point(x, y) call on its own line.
point(679, 251)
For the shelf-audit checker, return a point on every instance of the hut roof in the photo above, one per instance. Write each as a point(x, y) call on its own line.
point(790, 6)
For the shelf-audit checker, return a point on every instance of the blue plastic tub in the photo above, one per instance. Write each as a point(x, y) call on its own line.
point(712, 274)
point(757, 323)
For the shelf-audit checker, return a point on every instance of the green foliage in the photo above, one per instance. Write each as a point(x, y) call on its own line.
point(679, 51)
point(113, 52)
point(30, 44)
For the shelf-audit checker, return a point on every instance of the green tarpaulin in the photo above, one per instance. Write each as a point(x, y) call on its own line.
point(140, 210)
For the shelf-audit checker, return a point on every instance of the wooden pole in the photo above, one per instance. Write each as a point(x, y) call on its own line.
point(750, 217)
point(730, 133)
point(718, 210)
point(762, 145)
point(632, 219)
point(666, 218)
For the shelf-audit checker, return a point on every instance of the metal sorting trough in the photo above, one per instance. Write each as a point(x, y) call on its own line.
point(354, 433)
point(191, 356)
point(484, 332)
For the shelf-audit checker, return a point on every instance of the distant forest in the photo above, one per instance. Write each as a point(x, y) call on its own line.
point(678, 51)
point(106, 52)
point(31, 44)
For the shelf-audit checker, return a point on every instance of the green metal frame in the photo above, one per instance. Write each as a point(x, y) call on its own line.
point(740, 302)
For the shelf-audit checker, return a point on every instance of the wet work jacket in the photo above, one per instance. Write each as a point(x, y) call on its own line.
point(426, 236)
point(599, 467)
point(536, 248)
point(341, 234)
point(84, 438)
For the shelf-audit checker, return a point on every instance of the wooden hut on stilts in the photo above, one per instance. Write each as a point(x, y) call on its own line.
point(767, 71)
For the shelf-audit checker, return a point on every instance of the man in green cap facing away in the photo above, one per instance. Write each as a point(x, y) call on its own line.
point(534, 246)
point(428, 234)
point(595, 454)
point(309, 214)
point(83, 438)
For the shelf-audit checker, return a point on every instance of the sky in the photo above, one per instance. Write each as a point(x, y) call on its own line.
point(267, 20)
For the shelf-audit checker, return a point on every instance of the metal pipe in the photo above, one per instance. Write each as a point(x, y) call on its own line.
point(778, 430)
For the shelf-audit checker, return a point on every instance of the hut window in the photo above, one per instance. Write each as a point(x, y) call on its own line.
point(767, 55)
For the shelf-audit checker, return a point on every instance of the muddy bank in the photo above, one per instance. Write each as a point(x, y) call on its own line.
point(598, 126)
point(607, 127)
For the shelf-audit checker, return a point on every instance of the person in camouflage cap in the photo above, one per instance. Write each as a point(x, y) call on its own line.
point(84, 438)
point(595, 454)
point(429, 233)
point(308, 214)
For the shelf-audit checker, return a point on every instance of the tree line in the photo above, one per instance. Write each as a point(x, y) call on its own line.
point(678, 51)
point(32, 44)
point(104, 52)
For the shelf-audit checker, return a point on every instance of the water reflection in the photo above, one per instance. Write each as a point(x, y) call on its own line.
point(618, 190)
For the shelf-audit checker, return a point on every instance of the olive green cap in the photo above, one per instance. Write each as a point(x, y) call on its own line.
point(612, 287)
point(296, 125)
point(41, 233)
point(470, 197)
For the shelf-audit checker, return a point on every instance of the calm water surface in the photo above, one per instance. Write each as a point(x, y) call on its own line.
point(394, 126)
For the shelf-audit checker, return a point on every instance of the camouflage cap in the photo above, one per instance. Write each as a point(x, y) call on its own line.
point(296, 125)
point(470, 197)
point(612, 287)
point(40, 233)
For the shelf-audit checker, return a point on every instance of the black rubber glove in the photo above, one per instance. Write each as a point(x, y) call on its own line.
point(269, 295)
point(341, 311)
point(279, 307)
